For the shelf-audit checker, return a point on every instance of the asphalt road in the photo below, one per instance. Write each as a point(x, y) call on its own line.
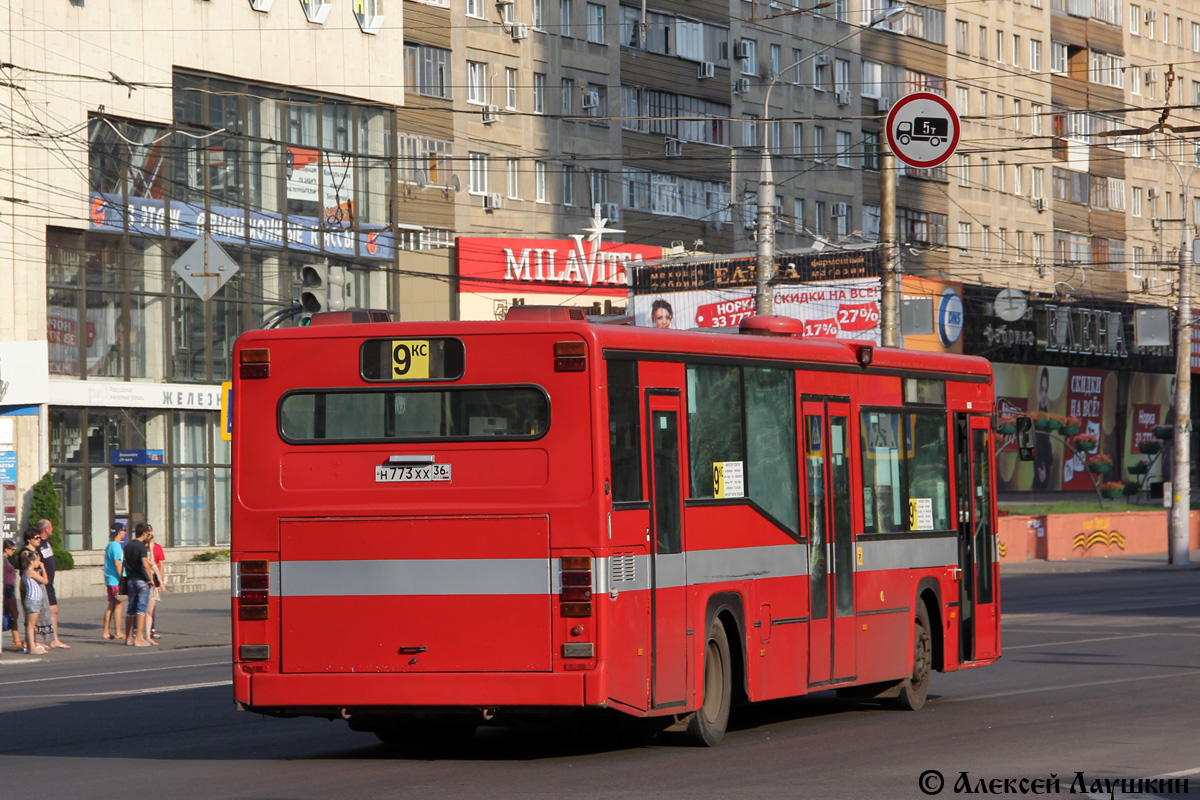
point(1101, 675)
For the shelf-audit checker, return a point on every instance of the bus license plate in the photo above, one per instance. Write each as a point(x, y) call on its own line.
point(432, 472)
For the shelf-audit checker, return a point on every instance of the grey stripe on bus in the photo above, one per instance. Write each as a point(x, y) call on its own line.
point(435, 576)
point(908, 553)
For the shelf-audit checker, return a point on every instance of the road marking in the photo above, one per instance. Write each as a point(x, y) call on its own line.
point(8, 663)
point(1079, 641)
point(1183, 773)
point(118, 672)
point(1072, 686)
point(129, 692)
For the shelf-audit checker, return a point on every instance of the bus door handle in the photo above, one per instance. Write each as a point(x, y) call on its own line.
point(956, 572)
point(410, 650)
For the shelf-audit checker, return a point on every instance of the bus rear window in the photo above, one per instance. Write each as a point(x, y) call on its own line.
point(493, 412)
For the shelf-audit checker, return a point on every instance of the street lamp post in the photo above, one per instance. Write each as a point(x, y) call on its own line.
point(763, 302)
point(1181, 478)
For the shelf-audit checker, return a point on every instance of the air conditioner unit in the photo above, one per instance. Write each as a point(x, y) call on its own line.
point(492, 201)
point(741, 49)
point(1153, 192)
point(707, 69)
point(843, 98)
point(591, 99)
point(1039, 204)
point(505, 2)
point(741, 86)
point(491, 114)
point(674, 147)
point(1150, 76)
point(520, 31)
point(1042, 269)
point(1151, 15)
point(612, 212)
point(841, 209)
point(884, 103)
point(821, 61)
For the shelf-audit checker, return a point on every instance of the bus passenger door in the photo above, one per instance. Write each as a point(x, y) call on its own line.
point(668, 573)
point(979, 626)
point(826, 432)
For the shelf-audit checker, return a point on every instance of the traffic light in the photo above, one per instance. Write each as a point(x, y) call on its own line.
point(324, 288)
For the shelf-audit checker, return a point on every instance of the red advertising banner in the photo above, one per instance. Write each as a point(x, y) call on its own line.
point(1085, 399)
point(572, 266)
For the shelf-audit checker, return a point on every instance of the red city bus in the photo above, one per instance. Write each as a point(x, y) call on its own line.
point(441, 524)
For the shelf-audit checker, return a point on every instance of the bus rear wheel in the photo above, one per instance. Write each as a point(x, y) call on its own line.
point(707, 726)
point(915, 688)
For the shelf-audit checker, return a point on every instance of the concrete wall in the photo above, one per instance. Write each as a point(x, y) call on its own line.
point(1063, 536)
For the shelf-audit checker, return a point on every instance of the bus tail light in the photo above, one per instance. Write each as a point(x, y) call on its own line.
point(254, 589)
point(570, 356)
point(575, 598)
point(255, 363)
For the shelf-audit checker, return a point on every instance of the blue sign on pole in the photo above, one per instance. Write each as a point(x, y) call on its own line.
point(135, 458)
point(8, 467)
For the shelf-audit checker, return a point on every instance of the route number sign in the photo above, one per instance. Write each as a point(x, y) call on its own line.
point(923, 129)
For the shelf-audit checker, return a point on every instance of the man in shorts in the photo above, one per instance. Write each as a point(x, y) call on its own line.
point(114, 555)
point(45, 529)
point(137, 583)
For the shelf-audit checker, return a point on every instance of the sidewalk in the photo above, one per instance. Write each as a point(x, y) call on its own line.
point(1140, 561)
point(185, 620)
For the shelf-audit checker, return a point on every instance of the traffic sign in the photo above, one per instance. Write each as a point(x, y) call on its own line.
point(205, 267)
point(923, 129)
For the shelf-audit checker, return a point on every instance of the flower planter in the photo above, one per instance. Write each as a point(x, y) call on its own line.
point(1131, 489)
point(1164, 432)
point(1138, 468)
point(1149, 446)
point(1039, 422)
point(1054, 424)
point(1112, 494)
point(1069, 430)
point(1099, 469)
point(1086, 447)
point(1008, 430)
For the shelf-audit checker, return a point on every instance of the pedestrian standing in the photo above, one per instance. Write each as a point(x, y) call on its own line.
point(10, 593)
point(33, 579)
point(45, 529)
point(113, 561)
point(159, 583)
point(137, 583)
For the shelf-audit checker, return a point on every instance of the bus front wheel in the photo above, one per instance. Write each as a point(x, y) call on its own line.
point(707, 725)
point(915, 688)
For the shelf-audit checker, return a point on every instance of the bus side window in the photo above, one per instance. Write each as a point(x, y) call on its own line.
point(624, 431)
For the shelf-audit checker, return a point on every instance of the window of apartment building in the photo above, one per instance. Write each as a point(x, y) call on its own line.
point(962, 37)
point(564, 17)
point(776, 136)
point(510, 88)
point(424, 160)
point(819, 143)
point(1196, 36)
point(1195, 93)
point(797, 138)
point(821, 74)
point(1107, 69)
point(1135, 201)
point(1135, 19)
point(776, 60)
point(568, 185)
point(537, 15)
point(1002, 248)
point(1135, 80)
point(798, 214)
point(595, 23)
point(477, 176)
point(514, 177)
point(539, 93)
point(843, 148)
point(872, 222)
point(871, 156)
point(568, 96)
point(841, 75)
point(1178, 32)
point(872, 79)
point(963, 96)
point(506, 11)
point(797, 70)
point(985, 170)
point(1000, 46)
point(841, 222)
point(539, 182)
point(1138, 260)
point(1166, 28)
point(1058, 58)
point(597, 108)
point(1001, 176)
point(1035, 55)
point(316, 10)
point(1071, 186)
point(983, 32)
point(921, 227)
point(964, 238)
point(985, 243)
point(1018, 180)
point(964, 169)
point(1016, 50)
point(476, 82)
point(1036, 111)
point(750, 130)
point(597, 186)
point(750, 62)
point(821, 209)
point(983, 105)
point(477, 8)
point(1001, 120)
point(1018, 114)
point(427, 69)
point(841, 10)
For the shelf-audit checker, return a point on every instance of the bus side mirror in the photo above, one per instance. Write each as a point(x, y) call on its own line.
point(1025, 438)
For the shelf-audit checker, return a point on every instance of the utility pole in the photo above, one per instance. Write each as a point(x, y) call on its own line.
point(889, 300)
point(1181, 476)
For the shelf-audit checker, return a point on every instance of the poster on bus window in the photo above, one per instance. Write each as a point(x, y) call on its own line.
point(1089, 394)
point(832, 309)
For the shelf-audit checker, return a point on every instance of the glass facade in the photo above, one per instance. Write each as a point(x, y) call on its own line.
point(278, 179)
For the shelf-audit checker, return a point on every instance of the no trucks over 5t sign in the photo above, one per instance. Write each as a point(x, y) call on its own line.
point(922, 129)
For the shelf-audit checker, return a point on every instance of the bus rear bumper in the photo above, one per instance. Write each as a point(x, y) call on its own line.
point(409, 690)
